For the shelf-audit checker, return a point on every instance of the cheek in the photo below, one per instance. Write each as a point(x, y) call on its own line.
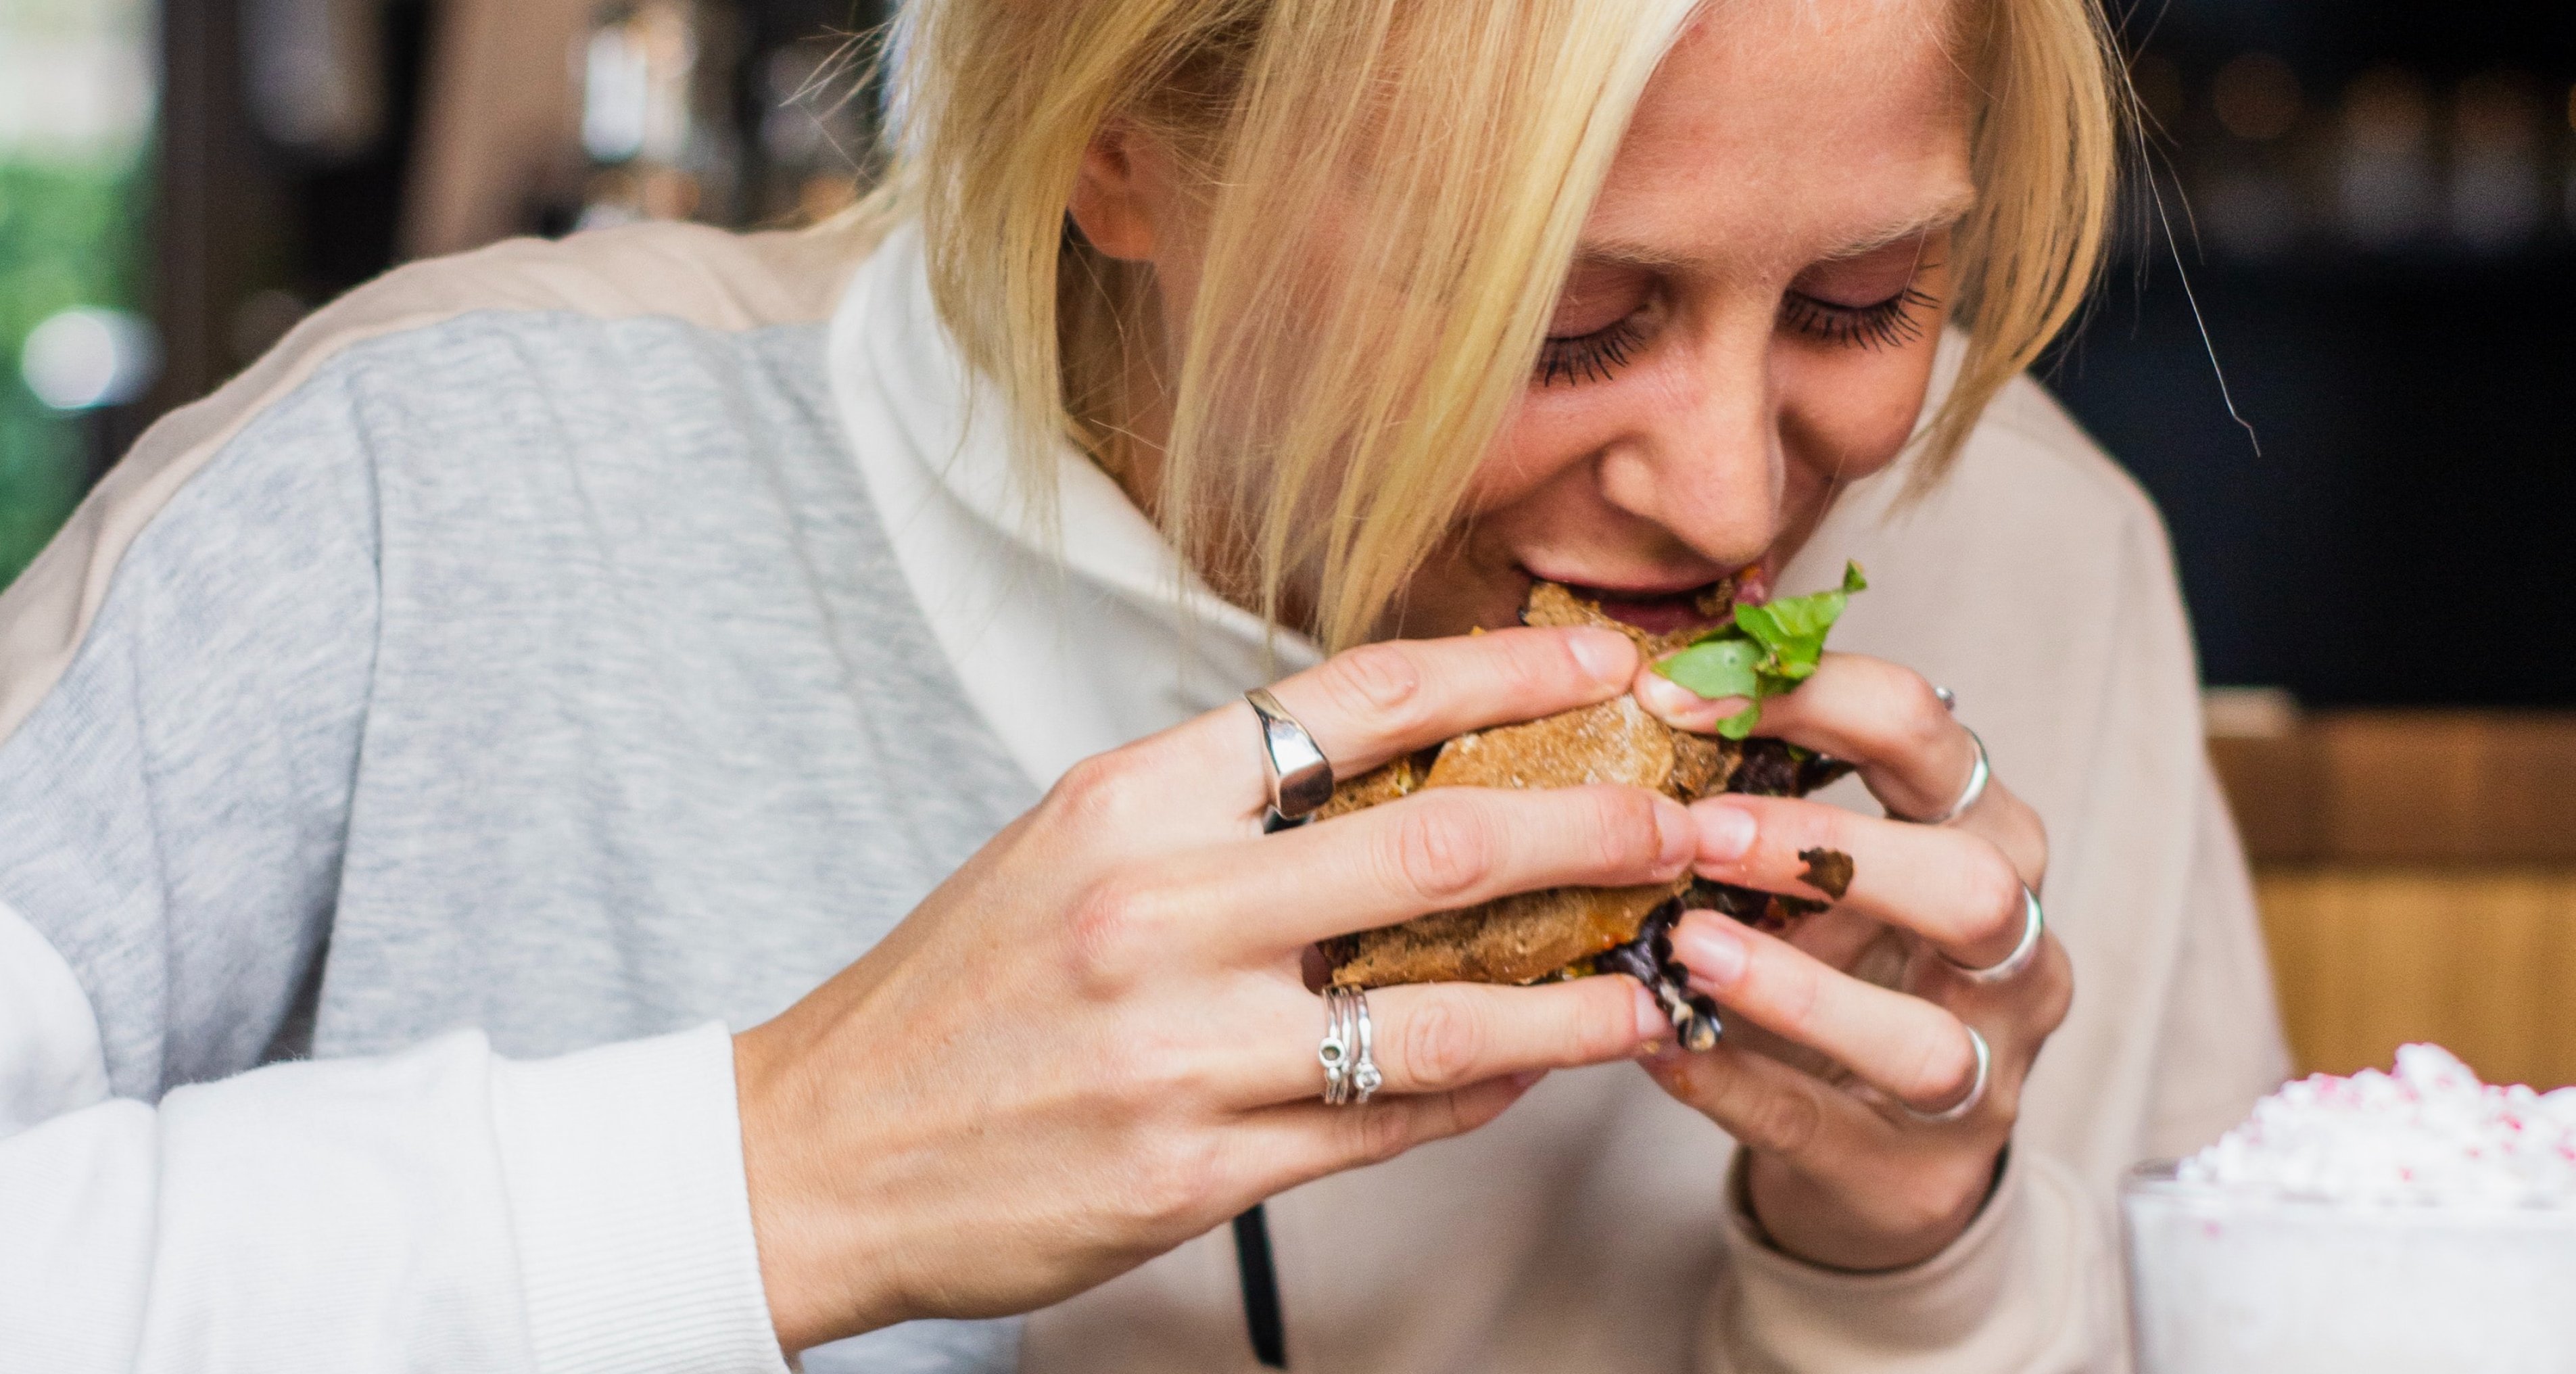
point(1848, 412)
point(1543, 438)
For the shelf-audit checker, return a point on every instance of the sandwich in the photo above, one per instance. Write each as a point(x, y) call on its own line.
point(1752, 651)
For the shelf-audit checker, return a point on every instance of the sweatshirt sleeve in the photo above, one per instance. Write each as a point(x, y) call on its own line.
point(2030, 1288)
point(440, 1209)
point(184, 679)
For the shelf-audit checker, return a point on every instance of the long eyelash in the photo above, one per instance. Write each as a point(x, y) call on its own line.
point(1889, 323)
point(1588, 357)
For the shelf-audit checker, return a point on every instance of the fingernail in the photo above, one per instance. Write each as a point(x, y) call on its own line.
point(1605, 654)
point(1650, 1016)
point(1678, 831)
point(1713, 953)
point(1726, 831)
point(1663, 696)
point(1679, 706)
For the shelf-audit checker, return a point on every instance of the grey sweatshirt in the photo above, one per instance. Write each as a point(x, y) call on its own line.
point(540, 673)
point(549, 659)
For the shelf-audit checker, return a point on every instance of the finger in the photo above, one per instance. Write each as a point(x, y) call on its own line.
point(1296, 1142)
point(1438, 850)
point(1912, 753)
point(1914, 757)
point(1440, 1037)
point(1903, 1046)
point(1379, 701)
point(1953, 887)
point(1768, 1106)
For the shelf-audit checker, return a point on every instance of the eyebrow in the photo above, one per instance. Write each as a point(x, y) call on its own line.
point(1940, 214)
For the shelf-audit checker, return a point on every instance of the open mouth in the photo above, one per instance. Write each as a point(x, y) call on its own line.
point(1688, 608)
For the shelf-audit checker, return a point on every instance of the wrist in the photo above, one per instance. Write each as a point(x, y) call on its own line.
point(822, 1285)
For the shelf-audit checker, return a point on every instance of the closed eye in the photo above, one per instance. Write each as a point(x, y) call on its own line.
point(1899, 319)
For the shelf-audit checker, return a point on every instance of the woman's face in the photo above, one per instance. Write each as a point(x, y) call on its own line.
point(1750, 321)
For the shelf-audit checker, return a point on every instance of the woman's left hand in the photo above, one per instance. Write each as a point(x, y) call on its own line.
point(1839, 1172)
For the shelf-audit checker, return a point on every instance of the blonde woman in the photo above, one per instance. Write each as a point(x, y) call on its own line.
point(669, 800)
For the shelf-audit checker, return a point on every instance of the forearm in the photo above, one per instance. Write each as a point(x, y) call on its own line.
point(441, 1209)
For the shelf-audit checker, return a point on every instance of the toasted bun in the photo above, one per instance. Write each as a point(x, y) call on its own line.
point(1534, 935)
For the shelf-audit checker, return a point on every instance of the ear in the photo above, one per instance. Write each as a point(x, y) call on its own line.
point(1117, 192)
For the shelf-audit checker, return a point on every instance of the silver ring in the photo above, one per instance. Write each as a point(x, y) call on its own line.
point(1976, 1090)
point(2034, 923)
point(1949, 700)
point(1350, 1067)
point(1301, 778)
point(1968, 795)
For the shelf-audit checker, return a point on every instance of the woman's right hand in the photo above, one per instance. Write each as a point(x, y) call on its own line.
point(1094, 1041)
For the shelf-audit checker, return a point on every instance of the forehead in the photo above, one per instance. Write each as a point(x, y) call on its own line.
point(1781, 131)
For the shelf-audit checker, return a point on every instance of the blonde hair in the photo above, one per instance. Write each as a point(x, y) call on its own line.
point(1459, 144)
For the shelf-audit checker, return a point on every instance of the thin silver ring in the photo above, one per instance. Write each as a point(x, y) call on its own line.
point(1978, 775)
point(1301, 778)
point(2034, 923)
point(1335, 1052)
point(1348, 1049)
point(1976, 1089)
point(1949, 700)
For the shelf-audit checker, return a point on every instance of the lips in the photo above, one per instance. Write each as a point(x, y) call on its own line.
point(1659, 612)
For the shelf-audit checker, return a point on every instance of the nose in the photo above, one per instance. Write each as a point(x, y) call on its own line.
point(1703, 458)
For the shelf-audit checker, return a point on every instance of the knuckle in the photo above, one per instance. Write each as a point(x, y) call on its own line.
point(1926, 719)
point(1950, 1186)
point(1101, 794)
point(1944, 1069)
point(1111, 931)
point(1378, 683)
point(1991, 890)
point(1443, 1041)
point(1783, 1122)
point(1441, 850)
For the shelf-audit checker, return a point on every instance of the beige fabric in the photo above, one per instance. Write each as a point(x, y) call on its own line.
point(707, 277)
point(1589, 1229)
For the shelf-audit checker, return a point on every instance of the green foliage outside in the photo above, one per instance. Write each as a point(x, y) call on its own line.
point(68, 236)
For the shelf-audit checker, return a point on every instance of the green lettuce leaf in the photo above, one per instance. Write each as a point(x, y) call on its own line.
point(1767, 650)
point(1716, 668)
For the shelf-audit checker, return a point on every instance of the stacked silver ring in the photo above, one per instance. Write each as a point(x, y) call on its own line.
point(1350, 1070)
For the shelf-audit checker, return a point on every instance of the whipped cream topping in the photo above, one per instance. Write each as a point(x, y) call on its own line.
point(2429, 1133)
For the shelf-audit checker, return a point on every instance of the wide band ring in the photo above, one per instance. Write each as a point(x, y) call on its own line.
point(1301, 778)
point(1350, 1068)
point(2034, 923)
point(1976, 1089)
point(1978, 776)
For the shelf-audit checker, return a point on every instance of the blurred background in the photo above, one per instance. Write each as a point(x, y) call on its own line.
point(2336, 346)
